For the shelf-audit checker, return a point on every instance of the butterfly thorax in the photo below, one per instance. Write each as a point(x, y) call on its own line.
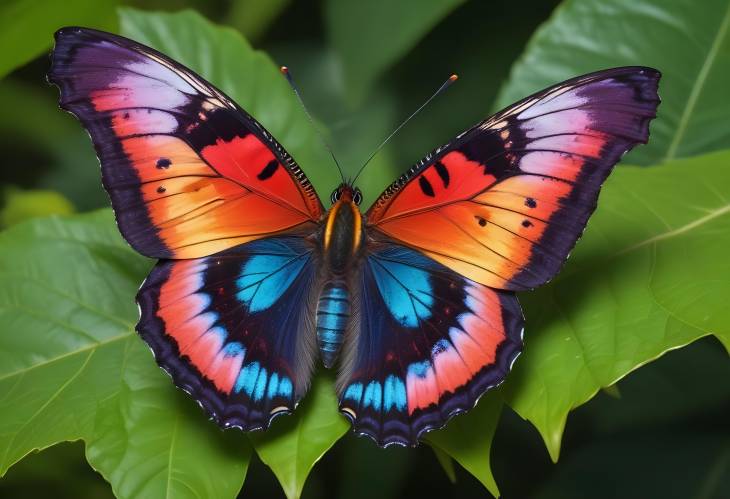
point(343, 232)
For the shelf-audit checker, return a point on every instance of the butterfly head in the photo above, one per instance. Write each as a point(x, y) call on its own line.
point(346, 193)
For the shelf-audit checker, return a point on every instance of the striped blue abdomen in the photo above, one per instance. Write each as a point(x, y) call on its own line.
point(333, 313)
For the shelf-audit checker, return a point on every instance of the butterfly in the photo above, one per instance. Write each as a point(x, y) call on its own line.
point(414, 300)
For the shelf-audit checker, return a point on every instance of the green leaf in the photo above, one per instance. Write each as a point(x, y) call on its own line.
point(72, 367)
point(21, 205)
point(27, 26)
point(254, 17)
point(370, 36)
point(688, 42)
point(223, 57)
point(648, 276)
point(468, 438)
point(293, 445)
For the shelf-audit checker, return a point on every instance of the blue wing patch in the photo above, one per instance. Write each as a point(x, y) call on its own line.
point(402, 280)
point(265, 277)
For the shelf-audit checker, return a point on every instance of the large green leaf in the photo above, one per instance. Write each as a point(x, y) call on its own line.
point(650, 275)
point(223, 57)
point(370, 36)
point(293, 445)
point(27, 26)
point(72, 367)
point(688, 41)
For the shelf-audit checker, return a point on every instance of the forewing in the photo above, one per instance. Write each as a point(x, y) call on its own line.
point(504, 203)
point(189, 172)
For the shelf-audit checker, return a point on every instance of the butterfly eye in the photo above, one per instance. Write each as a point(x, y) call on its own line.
point(335, 196)
point(357, 197)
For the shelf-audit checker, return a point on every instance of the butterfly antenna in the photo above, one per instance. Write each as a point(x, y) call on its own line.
point(443, 87)
point(287, 74)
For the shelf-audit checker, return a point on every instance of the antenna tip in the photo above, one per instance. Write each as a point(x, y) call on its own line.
point(453, 77)
point(284, 70)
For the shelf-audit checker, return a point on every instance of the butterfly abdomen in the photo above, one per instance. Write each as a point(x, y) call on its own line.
point(333, 313)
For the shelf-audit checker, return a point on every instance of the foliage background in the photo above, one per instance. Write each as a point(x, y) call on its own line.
point(651, 275)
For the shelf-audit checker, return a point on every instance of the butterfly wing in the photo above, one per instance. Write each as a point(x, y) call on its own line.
point(506, 201)
point(495, 211)
point(189, 172)
point(235, 329)
point(191, 175)
point(428, 344)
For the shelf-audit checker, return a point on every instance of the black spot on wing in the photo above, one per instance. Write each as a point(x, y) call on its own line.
point(163, 163)
point(268, 170)
point(530, 203)
point(443, 172)
point(426, 186)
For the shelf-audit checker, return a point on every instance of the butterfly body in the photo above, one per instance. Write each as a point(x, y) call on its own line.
point(413, 300)
point(342, 248)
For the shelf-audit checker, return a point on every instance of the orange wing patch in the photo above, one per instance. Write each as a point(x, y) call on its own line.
point(490, 238)
point(196, 210)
